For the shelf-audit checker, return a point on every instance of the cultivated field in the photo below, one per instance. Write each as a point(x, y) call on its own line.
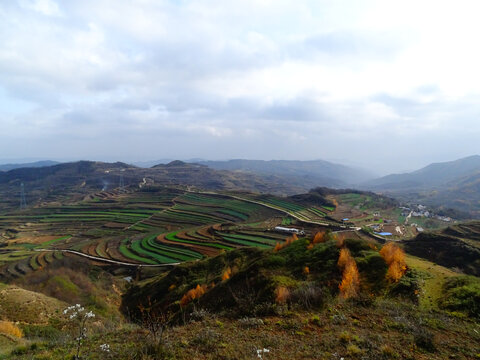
point(153, 226)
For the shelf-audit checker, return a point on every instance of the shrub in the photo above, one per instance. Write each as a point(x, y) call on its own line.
point(250, 322)
point(408, 286)
point(274, 261)
point(345, 336)
point(388, 352)
point(424, 339)
point(353, 349)
point(41, 331)
point(462, 293)
point(207, 340)
point(308, 296)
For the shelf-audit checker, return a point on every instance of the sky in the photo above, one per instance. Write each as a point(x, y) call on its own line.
point(385, 85)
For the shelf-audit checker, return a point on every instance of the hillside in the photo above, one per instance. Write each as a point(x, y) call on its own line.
point(430, 177)
point(457, 246)
point(453, 184)
point(81, 178)
point(270, 301)
point(172, 273)
point(305, 174)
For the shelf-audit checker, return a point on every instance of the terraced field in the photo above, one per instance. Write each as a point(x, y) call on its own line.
point(146, 228)
point(305, 213)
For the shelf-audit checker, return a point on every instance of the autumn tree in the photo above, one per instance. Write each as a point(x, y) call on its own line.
point(395, 259)
point(350, 284)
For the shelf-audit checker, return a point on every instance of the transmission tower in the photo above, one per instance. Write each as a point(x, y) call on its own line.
point(23, 202)
point(122, 183)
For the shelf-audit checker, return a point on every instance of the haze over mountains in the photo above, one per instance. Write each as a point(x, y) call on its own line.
point(310, 173)
point(432, 176)
point(7, 167)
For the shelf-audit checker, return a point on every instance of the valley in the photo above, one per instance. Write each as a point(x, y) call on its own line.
point(166, 253)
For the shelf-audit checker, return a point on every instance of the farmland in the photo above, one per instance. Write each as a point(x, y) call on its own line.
point(157, 226)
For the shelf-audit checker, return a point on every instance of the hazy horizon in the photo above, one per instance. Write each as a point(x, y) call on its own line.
point(151, 162)
point(388, 87)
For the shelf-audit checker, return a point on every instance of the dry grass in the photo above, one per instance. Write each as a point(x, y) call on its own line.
point(9, 328)
point(17, 304)
point(33, 239)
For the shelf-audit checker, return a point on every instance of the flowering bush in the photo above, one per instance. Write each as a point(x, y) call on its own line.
point(78, 314)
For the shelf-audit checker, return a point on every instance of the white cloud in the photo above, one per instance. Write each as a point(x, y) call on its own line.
point(45, 7)
point(249, 71)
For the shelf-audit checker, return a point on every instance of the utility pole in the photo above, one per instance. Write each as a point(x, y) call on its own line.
point(23, 202)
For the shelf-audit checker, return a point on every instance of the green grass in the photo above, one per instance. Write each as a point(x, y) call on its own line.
point(149, 244)
point(137, 246)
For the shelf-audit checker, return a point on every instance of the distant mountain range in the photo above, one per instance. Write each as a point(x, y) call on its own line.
point(452, 184)
point(8, 167)
point(304, 174)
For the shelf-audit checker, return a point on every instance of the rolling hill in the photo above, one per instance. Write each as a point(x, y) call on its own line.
point(453, 184)
point(81, 178)
point(437, 175)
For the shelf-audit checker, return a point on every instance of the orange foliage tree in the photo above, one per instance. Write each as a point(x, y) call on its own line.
point(193, 294)
point(395, 259)
point(288, 241)
point(227, 273)
point(350, 277)
point(340, 240)
point(281, 295)
point(306, 270)
point(319, 237)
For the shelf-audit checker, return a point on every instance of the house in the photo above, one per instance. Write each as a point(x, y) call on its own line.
point(289, 230)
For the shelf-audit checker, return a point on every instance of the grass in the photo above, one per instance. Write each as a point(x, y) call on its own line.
point(149, 243)
point(433, 284)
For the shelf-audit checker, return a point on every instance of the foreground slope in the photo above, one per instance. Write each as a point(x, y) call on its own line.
point(289, 301)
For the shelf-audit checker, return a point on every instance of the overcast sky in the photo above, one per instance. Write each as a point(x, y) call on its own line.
point(387, 85)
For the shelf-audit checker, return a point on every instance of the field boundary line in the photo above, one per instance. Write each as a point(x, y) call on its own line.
point(97, 258)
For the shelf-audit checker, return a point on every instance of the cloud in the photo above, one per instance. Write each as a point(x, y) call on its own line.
point(44, 7)
point(244, 77)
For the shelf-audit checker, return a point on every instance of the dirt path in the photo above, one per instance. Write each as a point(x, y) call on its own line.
point(97, 258)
